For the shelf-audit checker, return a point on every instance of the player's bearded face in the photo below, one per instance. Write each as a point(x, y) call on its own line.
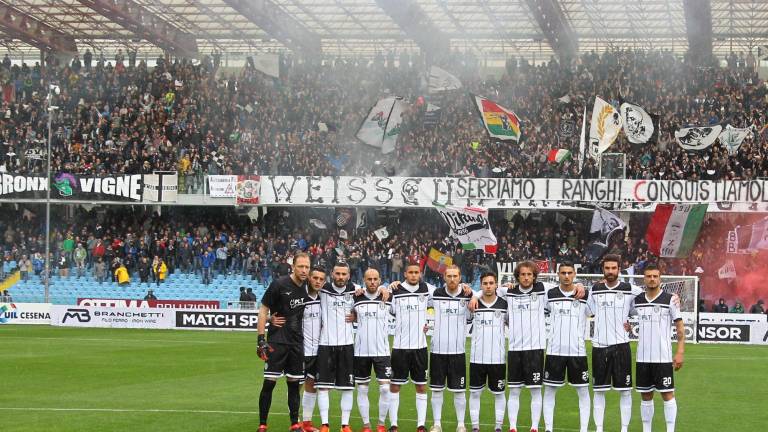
point(610, 271)
point(452, 279)
point(340, 276)
point(372, 282)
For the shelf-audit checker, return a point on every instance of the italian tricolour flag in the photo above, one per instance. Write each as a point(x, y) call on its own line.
point(674, 229)
point(558, 155)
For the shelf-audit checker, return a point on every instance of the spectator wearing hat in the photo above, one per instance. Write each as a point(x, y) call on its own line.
point(757, 308)
point(737, 308)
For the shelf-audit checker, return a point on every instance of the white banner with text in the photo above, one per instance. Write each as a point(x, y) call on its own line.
point(89, 316)
point(25, 313)
point(422, 192)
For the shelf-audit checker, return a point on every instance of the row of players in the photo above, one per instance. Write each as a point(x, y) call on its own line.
point(311, 338)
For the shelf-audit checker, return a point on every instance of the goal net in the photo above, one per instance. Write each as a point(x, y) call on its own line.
point(686, 287)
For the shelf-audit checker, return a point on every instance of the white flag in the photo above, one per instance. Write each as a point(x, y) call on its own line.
point(268, 64)
point(343, 234)
point(638, 124)
point(381, 233)
point(604, 128)
point(317, 223)
point(732, 137)
point(697, 138)
point(470, 226)
point(381, 127)
point(442, 80)
point(606, 223)
point(727, 271)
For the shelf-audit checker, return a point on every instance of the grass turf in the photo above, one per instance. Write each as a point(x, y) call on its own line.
point(67, 379)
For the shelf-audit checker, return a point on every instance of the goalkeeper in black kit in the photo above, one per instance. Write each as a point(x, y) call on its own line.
point(283, 352)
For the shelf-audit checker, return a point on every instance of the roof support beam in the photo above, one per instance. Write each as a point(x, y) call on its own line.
point(146, 25)
point(28, 29)
point(556, 27)
point(698, 24)
point(416, 24)
point(279, 24)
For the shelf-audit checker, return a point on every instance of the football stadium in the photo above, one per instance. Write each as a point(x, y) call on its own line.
point(383, 215)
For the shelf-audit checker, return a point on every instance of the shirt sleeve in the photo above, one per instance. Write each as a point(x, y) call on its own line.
point(632, 311)
point(268, 299)
point(674, 312)
point(588, 311)
point(636, 290)
point(591, 305)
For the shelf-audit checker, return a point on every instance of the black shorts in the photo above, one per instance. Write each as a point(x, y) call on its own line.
point(381, 366)
point(525, 368)
point(555, 370)
point(285, 360)
point(492, 374)
point(655, 376)
point(310, 366)
point(335, 367)
point(447, 367)
point(409, 362)
point(612, 367)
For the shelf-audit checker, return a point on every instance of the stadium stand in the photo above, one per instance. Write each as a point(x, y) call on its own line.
point(199, 119)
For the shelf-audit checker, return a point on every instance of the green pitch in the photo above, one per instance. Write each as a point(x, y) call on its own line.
point(65, 379)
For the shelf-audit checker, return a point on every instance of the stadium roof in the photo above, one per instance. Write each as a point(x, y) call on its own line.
point(493, 28)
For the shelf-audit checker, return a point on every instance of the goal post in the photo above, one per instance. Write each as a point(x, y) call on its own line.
point(686, 287)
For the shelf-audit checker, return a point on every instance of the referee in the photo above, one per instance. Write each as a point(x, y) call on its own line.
point(284, 352)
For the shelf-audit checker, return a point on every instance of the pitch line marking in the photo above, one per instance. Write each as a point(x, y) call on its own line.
point(182, 411)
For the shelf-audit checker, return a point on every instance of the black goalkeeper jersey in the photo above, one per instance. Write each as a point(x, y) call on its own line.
point(287, 299)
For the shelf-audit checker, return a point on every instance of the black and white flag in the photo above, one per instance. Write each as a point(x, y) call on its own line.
point(441, 80)
point(639, 126)
point(732, 137)
point(362, 218)
point(697, 138)
point(381, 233)
point(606, 223)
point(432, 114)
point(567, 127)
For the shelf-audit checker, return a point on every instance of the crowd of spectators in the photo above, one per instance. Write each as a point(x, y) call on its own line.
point(129, 245)
point(201, 118)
